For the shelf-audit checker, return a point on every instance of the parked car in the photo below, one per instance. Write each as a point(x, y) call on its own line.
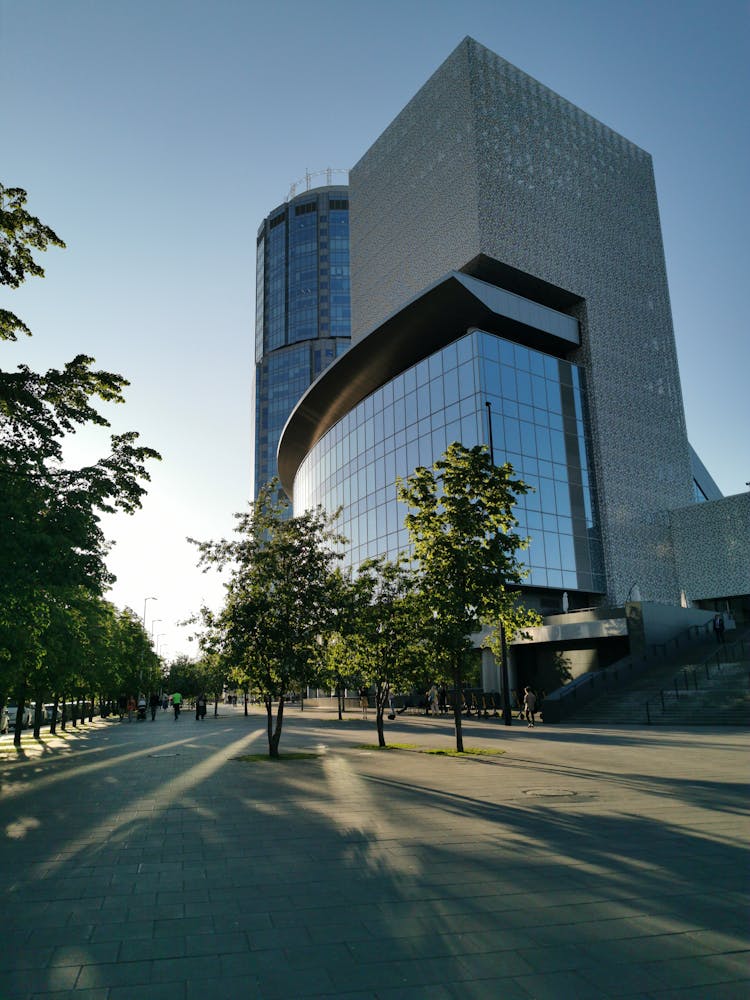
point(13, 711)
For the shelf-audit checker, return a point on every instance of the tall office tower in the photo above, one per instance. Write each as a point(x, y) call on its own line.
point(302, 312)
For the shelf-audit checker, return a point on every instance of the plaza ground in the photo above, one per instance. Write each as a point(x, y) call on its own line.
point(146, 860)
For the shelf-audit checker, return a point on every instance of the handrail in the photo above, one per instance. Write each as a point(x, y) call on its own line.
point(705, 662)
point(655, 650)
point(585, 684)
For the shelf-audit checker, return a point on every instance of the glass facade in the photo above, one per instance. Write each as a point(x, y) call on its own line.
point(538, 424)
point(302, 314)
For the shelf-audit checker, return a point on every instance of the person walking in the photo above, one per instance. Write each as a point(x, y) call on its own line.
point(719, 628)
point(529, 706)
point(153, 703)
point(200, 707)
point(432, 698)
point(176, 704)
point(131, 708)
point(364, 701)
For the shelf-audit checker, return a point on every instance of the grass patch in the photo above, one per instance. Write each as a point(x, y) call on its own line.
point(415, 748)
point(253, 757)
point(391, 746)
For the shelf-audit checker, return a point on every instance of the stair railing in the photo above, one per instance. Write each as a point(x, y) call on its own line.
point(739, 649)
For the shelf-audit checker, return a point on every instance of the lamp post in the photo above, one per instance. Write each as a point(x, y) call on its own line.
point(153, 622)
point(144, 608)
point(507, 713)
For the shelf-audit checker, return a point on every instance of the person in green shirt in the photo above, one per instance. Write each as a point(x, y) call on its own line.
point(176, 703)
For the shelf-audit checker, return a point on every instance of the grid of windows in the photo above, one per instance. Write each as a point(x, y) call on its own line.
point(302, 317)
point(260, 253)
point(538, 425)
point(338, 281)
point(303, 273)
point(275, 290)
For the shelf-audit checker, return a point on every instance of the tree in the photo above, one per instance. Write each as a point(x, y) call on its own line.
point(385, 641)
point(278, 598)
point(461, 523)
point(52, 540)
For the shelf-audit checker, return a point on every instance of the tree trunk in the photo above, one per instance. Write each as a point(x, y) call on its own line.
point(19, 718)
point(457, 696)
point(274, 734)
point(339, 699)
point(53, 720)
point(245, 694)
point(380, 699)
point(38, 709)
point(216, 705)
point(64, 715)
point(74, 712)
point(91, 707)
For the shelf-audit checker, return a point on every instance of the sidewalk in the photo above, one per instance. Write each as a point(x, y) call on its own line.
point(145, 860)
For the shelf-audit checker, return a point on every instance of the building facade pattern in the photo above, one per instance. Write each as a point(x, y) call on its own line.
point(492, 169)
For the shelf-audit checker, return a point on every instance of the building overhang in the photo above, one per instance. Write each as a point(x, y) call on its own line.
point(435, 318)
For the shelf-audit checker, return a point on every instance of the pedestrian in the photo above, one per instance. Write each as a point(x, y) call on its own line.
point(391, 708)
point(364, 701)
point(122, 706)
point(141, 707)
point(529, 706)
point(164, 703)
point(200, 707)
point(154, 701)
point(719, 628)
point(432, 699)
point(443, 699)
point(176, 703)
point(131, 708)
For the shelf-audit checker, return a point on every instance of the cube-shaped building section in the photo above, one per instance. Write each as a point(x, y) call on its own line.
point(490, 173)
point(508, 284)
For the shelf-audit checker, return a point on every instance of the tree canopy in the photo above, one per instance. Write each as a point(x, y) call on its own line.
point(278, 598)
point(461, 523)
point(51, 543)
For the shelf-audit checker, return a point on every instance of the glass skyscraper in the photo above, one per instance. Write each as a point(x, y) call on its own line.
point(302, 313)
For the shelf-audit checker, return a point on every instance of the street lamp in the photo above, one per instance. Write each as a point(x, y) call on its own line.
point(144, 608)
point(507, 713)
point(154, 621)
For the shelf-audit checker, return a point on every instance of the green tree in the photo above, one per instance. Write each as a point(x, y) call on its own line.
point(278, 598)
point(52, 540)
point(387, 642)
point(461, 523)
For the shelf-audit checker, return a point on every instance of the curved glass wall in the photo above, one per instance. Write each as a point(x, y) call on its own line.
point(538, 425)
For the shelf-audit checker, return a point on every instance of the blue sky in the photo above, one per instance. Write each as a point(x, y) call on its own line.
point(155, 136)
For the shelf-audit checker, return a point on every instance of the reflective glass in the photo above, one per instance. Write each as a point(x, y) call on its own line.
point(410, 421)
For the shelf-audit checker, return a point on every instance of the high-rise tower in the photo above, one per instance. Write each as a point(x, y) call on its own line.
point(302, 312)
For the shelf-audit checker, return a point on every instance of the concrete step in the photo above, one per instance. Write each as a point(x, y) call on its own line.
point(689, 695)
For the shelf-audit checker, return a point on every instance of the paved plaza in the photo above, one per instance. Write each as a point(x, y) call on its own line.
point(145, 860)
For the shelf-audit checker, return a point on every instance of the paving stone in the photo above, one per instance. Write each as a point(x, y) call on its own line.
point(385, 877)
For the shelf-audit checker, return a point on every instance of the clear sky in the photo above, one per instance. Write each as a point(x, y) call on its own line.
point(155, 135)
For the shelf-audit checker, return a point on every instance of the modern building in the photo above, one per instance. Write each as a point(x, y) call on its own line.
point(506, 250)
point(302, 313)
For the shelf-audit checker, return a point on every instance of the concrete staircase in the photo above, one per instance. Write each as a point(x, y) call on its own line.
point(690, 689)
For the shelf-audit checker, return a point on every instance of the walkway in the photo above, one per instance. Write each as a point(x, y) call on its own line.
point(146, 861)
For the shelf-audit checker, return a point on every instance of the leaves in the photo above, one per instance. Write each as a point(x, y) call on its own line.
point(20, 233)
point(461, 524)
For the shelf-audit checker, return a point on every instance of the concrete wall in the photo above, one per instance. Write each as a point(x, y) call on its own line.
point(487, 164)
point(712, 547)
